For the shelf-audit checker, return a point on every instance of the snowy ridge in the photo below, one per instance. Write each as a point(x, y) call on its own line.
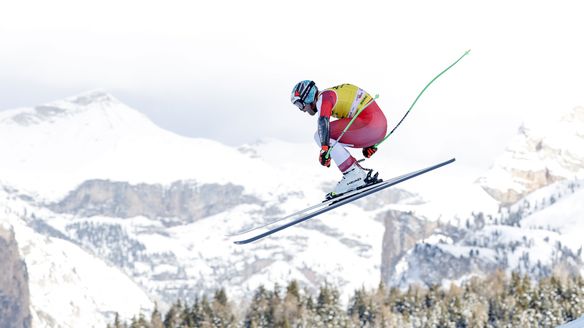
point(539, 155)
point(51, 149)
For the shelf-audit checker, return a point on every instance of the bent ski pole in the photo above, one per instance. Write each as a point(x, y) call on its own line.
point(419, 95)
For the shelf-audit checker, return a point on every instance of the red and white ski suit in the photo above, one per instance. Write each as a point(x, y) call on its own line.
point(344, 102)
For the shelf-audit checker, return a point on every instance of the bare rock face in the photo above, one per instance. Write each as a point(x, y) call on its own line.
point(530, 181)
point(181, 202)
point(14, 293)
point(402, 232)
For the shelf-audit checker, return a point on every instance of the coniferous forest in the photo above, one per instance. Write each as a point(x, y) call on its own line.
point(498, 300)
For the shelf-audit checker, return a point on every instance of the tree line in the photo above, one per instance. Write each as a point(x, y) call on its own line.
point(497, 300)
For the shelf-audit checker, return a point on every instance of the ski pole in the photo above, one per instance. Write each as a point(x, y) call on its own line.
point(399, 123)
point(419, 95)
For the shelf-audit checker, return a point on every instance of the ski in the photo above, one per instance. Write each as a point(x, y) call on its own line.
point(324, 203)
point(337, 202)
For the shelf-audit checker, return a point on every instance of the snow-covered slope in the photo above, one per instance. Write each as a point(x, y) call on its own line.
point(540, 154)
point(537, 235)
point(69, 287)
point(563, 211)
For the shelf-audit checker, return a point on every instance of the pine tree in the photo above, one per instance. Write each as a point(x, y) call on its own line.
point(117, 322)
point(142, 322)
point(222, 315)
point(381, 306)
point(197, 313)
point(293, 290)
point(276, 310)
point(185, 317)
point(156, 318)
point(572, 301)
point(208, 313)
point(134, 323)
point(364, 308)
point(258, 312)
point(525, 298)
point(309, 306)
point(292, 307)
point(496, 312)
point(358, 307)
point(172, 317)
point(327, 307)
point(220, 297)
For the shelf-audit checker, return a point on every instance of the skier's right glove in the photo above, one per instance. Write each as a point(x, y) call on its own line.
point(323, 159)
point(369, 151)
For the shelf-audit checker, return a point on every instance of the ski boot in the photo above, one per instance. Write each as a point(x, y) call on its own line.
point(356, 177)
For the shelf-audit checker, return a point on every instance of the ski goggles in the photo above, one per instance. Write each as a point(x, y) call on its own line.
point(299, 104)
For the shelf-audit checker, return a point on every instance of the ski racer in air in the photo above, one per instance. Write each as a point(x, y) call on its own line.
point(343, 102)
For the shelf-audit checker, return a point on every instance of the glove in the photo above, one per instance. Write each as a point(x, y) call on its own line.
point(369, 151)
point(322, 158)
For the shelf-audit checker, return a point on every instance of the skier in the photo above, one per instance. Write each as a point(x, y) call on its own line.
point(343, 102)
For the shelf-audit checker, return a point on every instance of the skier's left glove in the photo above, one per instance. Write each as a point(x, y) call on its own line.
point(369, 151)
point(322, 158)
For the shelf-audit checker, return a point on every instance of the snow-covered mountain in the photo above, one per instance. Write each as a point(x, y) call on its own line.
point(540, 154)
point(538, 225)
point(93, 189)
point(51, 149)
point(538, 235)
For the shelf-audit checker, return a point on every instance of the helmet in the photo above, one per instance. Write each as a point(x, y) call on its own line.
point(304, 93)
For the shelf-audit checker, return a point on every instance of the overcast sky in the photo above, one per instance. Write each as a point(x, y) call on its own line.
point(224, 69)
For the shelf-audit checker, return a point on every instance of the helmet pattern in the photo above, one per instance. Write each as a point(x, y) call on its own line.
point(304, 92)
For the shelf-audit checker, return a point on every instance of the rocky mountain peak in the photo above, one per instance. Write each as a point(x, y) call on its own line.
point(540, 154)
point(97, 96)
point(95, 102)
